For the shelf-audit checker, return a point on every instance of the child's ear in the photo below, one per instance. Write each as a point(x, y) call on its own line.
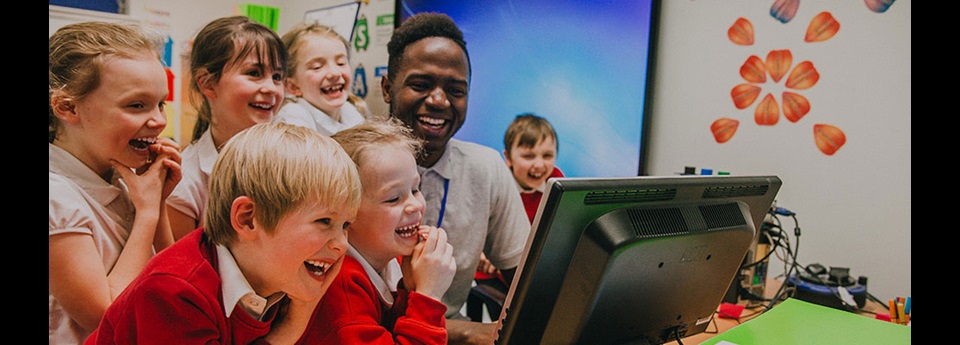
point(506, 158)
point(292, 87)
point(205, 83)
point(64, 107)
point(242, 217)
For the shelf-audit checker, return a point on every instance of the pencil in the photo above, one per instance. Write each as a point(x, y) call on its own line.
point(901, 315)
point(893, 310)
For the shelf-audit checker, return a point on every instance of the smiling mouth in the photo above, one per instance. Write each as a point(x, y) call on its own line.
point(407, 231)
point(332, 89)
point(431, 122)
point(264, 106)
point(432, 127)
point(316, 267)
point(142, 144)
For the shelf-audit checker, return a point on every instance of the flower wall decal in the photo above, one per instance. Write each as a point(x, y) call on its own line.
point(878, 6)
point(822, 28)
point(724, 128)
point(741, 32)
point(829, 138)
point(803, 77)
point(795, 106)
point(778, 62)
point(784, 10)
point(757, 72)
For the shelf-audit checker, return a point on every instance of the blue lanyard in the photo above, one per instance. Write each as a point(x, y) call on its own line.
point(443, 205)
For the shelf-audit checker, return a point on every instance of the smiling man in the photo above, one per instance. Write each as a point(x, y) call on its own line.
point(468, 188)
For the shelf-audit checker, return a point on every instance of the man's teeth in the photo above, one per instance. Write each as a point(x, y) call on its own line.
point(317, 267)
point(432, 121)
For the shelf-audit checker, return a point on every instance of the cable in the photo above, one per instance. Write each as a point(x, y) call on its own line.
point(773, 246)
point(789, 256)
point(784, 250)
point(783, 212)
point(875, 299)
point(796, 226)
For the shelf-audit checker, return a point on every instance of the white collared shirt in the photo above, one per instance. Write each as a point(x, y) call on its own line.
point(80, 201)
point(190, 195)
point(302, 113)
point(237, 290)
point(385, 282)
point(482, 210)
point(541, 188)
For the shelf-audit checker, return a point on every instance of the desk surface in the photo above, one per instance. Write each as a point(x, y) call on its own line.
point(753, 309)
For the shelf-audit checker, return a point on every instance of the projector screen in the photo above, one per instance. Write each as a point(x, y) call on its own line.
point(583, 65)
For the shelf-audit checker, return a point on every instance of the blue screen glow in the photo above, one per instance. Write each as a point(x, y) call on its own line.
point(580, 64)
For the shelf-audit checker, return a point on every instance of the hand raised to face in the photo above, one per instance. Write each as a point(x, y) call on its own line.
point(430, 269)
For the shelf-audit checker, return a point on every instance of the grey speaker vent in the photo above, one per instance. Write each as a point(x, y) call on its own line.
point(722, 215)
point(735, 191)
point(629, 195)
point(655, 222)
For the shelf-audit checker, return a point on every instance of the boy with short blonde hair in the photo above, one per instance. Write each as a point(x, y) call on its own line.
point(281, 198)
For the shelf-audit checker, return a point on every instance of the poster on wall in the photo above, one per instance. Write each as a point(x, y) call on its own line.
point(368, 53)
point(341, 18)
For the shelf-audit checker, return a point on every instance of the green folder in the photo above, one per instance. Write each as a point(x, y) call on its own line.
point(796, 322)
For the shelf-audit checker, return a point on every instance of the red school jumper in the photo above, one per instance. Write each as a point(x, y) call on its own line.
point(352, 312)
point(177, 299)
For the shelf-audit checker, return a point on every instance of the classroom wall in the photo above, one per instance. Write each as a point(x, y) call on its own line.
point(368, 52)
point(182, 19)
point(853, 206)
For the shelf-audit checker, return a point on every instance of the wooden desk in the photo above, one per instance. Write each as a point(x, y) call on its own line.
point(720, 325)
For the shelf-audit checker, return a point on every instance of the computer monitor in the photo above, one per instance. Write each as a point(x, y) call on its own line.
point(638, 260)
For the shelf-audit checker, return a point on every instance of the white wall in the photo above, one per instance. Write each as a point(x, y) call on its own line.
point(854, 206)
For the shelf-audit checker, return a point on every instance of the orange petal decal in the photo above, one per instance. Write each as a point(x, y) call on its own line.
point(744, 94)
point(795, 106)
point(784, 10)
point(829, 139)
point(724, 128)
point(878, 6)
point(767, 113)
point(741, 32)
point(822, 27)
point(803, 76)
point(753, 70)
point(778, 63)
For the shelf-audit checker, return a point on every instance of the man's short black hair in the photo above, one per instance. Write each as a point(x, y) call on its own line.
point(417, 27)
